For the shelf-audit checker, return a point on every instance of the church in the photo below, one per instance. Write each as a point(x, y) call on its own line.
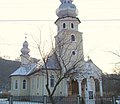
point(67, 56)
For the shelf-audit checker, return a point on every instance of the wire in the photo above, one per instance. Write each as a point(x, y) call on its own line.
point(7, 44)
point(36, 20)
point(101, 20)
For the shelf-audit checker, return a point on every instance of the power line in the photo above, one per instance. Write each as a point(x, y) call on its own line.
point(22, 20)
point(7, 44)
point(101, 20)
point(37, 20)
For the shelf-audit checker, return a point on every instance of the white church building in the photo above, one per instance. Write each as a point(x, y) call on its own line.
point(29, 79)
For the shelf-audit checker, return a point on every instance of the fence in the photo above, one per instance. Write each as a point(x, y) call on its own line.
point(104, 100)
point(57, 99)
point(40, 100)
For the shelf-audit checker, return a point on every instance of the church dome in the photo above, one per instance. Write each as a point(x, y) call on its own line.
point(67, 9)
point(25, 49)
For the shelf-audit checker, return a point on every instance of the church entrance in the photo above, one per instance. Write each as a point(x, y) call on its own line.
point(73, 88)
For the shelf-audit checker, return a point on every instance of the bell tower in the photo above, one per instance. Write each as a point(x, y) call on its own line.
point(67, 13)
point(68, 41)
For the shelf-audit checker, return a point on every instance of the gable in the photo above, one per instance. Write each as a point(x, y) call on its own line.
point(92, 69)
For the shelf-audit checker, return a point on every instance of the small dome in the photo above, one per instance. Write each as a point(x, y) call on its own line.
point(25, 49)
point(67, 9)
point(25, 44)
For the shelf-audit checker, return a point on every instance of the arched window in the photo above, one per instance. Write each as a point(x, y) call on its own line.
point(52, 81)
point(72, 26)
point(73, 52)
point(72, 37)
point(64, 25)
point(16, 84)
point(24, 84)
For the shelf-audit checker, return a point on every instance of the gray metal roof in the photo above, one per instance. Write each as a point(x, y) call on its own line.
point(24, 70)
point(52, 62)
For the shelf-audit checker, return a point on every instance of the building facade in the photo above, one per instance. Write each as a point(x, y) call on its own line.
point(68, 55)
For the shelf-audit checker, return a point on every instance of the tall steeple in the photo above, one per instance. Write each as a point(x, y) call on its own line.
point(25, 57)
point(68, 41)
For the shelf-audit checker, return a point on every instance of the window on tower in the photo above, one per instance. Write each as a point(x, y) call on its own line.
point(72, 26)
point(73, 52)
point(72, 37)
point(64, 25)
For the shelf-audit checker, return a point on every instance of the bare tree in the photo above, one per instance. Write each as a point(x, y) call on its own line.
point(116, 70)
point(69, 64)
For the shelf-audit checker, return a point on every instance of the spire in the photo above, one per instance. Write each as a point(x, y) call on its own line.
point(25, 57)
point(25, 50)
point(67, 9)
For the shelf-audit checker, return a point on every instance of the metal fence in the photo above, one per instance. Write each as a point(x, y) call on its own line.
point(39, 100)
point(104, 100)
point(57, 99)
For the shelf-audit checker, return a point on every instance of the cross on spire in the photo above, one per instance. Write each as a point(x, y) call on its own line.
point(25, 36)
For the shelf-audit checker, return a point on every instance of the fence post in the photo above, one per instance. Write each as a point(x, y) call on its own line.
point(11, 99)
point(78, 99)
point(118, 99)
point(113, 100)
point(45, 99)
point(101, 99)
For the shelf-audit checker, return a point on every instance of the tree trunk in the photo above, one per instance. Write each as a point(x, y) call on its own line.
point(49, 93)
point(51, 99)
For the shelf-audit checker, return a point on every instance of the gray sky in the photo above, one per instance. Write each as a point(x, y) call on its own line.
point(100, 24)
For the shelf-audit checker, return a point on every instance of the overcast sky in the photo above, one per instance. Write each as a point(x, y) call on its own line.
point(100, 24)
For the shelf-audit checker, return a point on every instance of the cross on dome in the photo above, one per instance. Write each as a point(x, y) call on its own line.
point(25, 36)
